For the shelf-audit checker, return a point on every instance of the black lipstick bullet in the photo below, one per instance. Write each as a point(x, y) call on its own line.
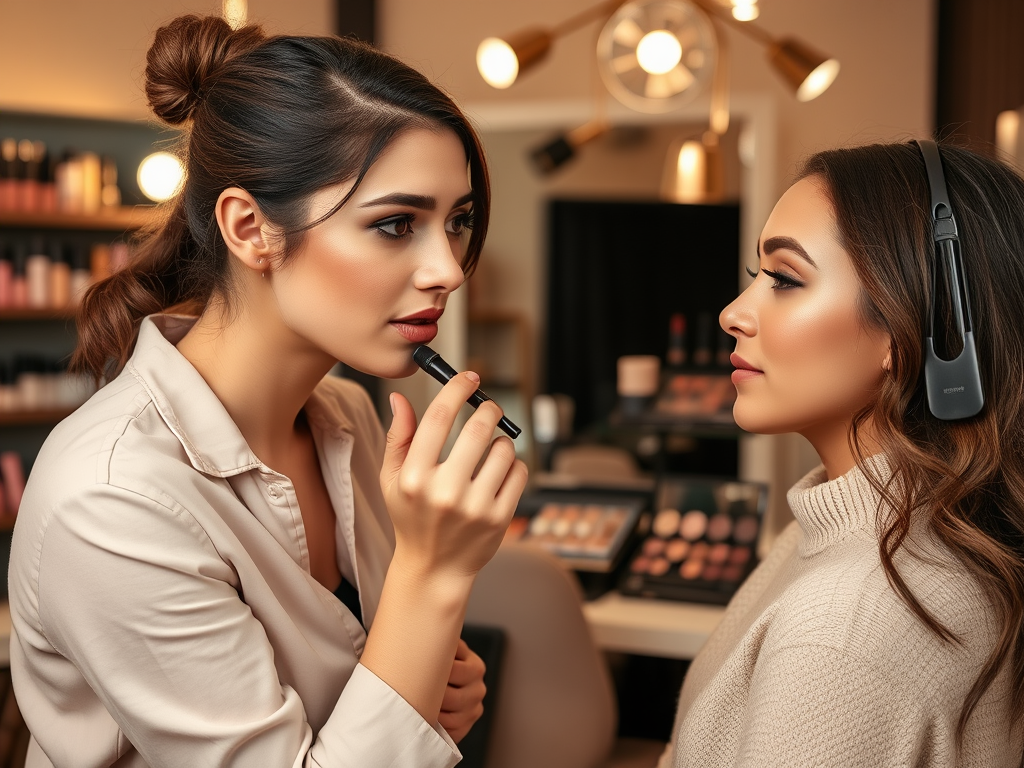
point(434, 364)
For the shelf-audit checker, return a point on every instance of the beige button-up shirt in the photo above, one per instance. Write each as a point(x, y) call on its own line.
point(163, 609)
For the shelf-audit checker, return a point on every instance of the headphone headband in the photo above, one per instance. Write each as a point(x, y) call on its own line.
point(953, 386)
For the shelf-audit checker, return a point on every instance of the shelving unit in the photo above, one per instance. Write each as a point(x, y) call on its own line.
point(51, 332)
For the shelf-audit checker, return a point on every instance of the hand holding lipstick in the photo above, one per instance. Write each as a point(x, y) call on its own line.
point(451, 506)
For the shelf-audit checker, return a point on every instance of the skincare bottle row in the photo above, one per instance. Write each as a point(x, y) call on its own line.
point(32, 180)
point(40, 274)
point(33, 383)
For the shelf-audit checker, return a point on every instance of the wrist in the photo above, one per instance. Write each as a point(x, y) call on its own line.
point(437, 581)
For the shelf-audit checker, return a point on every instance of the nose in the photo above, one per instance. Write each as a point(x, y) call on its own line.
point(440, 269)
point(738, 318)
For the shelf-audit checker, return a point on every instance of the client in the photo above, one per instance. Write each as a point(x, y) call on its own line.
point(886, 626)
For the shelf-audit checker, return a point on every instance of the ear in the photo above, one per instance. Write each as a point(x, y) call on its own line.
point(244, 229)
point(887, 361)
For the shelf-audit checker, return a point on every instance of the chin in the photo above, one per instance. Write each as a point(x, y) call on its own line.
point(749, 420)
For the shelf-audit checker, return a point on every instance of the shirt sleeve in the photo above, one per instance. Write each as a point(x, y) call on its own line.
point(135, 595)
point(813, 705)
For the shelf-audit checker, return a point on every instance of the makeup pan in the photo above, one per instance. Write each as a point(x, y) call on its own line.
point(704, 552)
point(589, 531)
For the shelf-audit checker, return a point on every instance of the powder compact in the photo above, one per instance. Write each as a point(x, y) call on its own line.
point(702, 541)
point(588, 531)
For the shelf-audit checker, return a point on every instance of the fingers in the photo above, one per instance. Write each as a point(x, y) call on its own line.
point(473, 443)
point(403, 427)
point(439, 418)
point(467, 667)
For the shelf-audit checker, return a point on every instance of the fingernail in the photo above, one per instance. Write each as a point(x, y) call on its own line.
point(391, 402)
point(472, 376)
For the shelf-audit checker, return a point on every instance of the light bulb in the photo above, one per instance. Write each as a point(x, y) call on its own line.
point(745, 10)
point(497, 62)
point(160, 176)
point(691, 173)
point(658, 52)
point(818, 81)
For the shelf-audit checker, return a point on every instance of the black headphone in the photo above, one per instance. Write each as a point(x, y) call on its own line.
point(953, 386)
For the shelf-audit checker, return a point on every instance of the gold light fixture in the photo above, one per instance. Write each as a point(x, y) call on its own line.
point(807, 71)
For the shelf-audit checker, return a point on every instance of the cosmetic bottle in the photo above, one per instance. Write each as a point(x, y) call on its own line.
point(81, 274)
point(92, 181)
point(37, 271)
point(47, 185)
point(29, 371)
point(99, 261)
point(69, 179)
point(60, 276)
point(6, 277)
point(110, 193)
point(702, 343)
point(8, 391)
point(8, 155)
point(13, 473)
point(27, 189)
point(19, 281)
point(675, 357)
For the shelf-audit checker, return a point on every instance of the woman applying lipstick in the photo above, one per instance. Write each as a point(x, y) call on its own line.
point(220, 558)
point(886, 626)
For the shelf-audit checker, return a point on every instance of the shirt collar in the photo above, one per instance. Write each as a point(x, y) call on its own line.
point(193, 412)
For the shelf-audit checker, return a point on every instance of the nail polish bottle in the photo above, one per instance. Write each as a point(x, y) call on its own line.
point(110, 194)
point(8, 154)
point(19, 281)
point(60, 276)
point(27, 191)
point(69, 178)
point(37, 271)
point(6, 277)
point(92, 182)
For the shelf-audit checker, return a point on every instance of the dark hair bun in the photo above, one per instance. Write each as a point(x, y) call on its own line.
point(185, 55)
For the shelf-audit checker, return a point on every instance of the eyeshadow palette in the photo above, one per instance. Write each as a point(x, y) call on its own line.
point(702, 541)
point(587, 531)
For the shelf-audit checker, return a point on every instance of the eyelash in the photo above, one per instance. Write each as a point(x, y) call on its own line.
point(463, 222)
point(782, 282)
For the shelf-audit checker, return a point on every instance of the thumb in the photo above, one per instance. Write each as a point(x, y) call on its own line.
point(403, 427)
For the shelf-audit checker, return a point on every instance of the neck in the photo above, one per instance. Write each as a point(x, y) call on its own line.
point(833, 446)
point(260, 370)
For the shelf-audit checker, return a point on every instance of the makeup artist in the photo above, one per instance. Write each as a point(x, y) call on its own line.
point(886, 626)
point(219, 559)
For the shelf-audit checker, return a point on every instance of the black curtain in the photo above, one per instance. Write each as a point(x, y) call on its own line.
point(617, 271)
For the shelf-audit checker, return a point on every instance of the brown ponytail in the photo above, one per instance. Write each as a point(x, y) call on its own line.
point(282, 117)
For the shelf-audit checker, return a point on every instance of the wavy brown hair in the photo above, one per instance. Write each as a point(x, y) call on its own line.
point(965, 478)
point(282, 117)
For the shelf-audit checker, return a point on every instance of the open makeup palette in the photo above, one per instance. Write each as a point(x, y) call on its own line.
point(702, 541)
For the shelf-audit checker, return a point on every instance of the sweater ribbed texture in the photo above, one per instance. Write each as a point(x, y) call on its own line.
point(817, 661)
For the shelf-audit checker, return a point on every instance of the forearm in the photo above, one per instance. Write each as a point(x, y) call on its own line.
point(415, 633)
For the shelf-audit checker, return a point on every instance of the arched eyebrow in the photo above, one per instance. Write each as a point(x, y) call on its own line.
point(423, 202)
point(773, 244)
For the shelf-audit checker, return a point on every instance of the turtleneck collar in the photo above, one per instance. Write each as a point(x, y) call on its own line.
point(830, 510)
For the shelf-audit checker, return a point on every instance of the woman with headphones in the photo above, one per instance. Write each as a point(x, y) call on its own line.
point(886, 626)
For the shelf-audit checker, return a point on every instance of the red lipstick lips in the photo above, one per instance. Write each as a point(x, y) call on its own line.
point(419, 327)
point(744, 370)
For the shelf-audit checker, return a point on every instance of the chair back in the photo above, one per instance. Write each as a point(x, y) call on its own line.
point(555, 706)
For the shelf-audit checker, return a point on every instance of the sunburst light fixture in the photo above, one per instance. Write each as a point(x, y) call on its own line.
point(655, 55)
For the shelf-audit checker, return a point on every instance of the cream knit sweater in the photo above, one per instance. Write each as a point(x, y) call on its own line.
point(817, 662)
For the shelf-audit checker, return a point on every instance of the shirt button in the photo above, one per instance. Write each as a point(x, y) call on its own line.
point(274, 491)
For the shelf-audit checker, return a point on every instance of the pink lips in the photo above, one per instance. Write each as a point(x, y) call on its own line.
point(420, 327)
point(744, 370)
